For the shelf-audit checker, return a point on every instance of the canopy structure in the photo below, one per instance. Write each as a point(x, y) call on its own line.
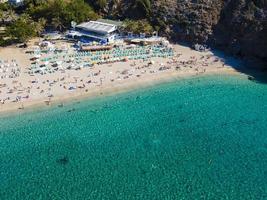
point(100, 31)
point(98, 27)
point(108, 21)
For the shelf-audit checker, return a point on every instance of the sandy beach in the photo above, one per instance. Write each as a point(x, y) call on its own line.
point(28, 90)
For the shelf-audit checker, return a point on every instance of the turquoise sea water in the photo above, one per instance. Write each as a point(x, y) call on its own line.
point(198, 138)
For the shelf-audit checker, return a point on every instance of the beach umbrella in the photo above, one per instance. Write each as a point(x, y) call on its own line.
point(59, 62)
point(37, 56)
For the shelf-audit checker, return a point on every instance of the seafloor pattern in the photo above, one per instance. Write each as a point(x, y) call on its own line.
point(200, 138)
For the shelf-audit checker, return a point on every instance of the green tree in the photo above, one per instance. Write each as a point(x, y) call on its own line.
point(57, 24)
point(1, 17)
point(5, 6)
point(22, 29)
point(143, 7)
point(144, 4)
point(79, 11)
point(40, 25)
point(28, 3)
point(138, 26)
point(10, 15)
point(97, 4)
point(59, 13)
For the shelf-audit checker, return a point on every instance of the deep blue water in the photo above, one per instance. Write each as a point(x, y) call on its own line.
point(197, 138)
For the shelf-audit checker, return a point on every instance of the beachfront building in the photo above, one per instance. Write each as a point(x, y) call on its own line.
point(104, 31)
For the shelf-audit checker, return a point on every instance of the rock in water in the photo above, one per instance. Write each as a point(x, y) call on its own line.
point(63, 161)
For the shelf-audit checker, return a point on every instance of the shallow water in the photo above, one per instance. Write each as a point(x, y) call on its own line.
point(198, 138)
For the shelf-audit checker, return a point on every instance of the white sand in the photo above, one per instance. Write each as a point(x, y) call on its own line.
point(53, 88)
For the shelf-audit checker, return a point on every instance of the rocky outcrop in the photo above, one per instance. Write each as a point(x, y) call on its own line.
point(242, 28)
point(190, 20)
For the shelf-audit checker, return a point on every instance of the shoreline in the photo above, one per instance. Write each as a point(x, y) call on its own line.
point(114, 89)
point(30, 91)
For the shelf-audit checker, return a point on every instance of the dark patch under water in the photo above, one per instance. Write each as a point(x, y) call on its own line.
point(63, 161)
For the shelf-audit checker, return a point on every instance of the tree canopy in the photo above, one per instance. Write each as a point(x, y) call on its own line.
point(139, 26)
point(22, 29)
point(34, 16)
point(59, 13)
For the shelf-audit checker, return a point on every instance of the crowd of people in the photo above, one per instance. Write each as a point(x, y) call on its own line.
point(70, 59)
point(94, 71)
point(9, 69)
point(47, 87)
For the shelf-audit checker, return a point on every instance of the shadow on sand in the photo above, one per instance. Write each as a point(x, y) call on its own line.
point(254, 69)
